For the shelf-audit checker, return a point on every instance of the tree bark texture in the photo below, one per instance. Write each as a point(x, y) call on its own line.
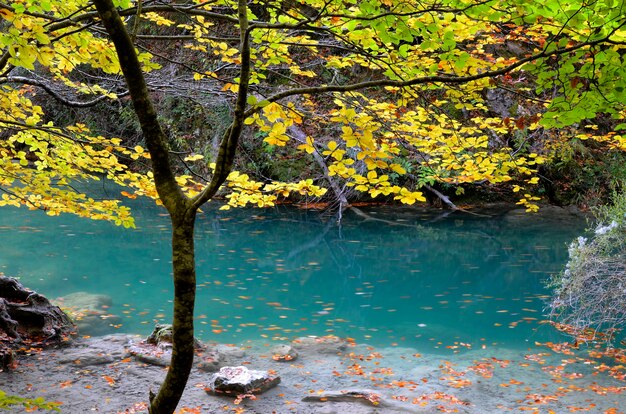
point(171, 390)
point(182, 214)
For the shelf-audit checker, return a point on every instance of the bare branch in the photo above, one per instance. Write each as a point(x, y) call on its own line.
point(228, 146)
point(53, 93)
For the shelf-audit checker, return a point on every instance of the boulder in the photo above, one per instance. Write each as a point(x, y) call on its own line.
point(96, 351)
point(284, 353)
point(217, 356)
point(156, 349)
point(150, 354)
point(87, 301)
point(374, 401)
point(161, 336)
point(241, 380)
point(90, 312)
point(83, 357)
point(28, 319)
point(230, 351)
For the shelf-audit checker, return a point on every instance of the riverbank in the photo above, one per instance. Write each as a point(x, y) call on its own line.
point(329, 375)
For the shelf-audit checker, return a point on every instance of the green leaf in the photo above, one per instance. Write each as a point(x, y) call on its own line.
point(124, 4)
point(403, 50)
point(461, 60)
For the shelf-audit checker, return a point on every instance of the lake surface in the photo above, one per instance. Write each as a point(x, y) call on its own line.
point(411, 277)
point(445, 309)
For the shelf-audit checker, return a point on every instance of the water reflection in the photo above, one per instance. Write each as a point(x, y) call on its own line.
point(404, 275)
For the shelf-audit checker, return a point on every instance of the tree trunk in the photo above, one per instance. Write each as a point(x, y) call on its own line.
point(171, 390)
point(182, 210)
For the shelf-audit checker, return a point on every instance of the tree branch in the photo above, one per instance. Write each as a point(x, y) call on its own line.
point(169, 192)
point(445, 79)
point(228, 146)
point(4, 59)
point(53, 93)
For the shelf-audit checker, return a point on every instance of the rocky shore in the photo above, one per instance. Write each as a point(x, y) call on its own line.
point(322, 375)
point(113, 374)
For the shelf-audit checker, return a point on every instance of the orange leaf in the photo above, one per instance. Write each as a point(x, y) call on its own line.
point(187, 410)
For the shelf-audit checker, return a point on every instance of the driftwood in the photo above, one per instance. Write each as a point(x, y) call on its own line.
point(28, 319)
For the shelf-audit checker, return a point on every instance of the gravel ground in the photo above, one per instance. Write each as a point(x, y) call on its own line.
point(327, 376)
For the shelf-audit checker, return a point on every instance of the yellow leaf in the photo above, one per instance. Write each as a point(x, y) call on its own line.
point(194, 157)
point(397, 168)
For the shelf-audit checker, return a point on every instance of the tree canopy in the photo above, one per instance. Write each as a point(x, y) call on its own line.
point(409, 92)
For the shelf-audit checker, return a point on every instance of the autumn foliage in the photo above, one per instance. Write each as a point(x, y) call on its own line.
point(412, 94)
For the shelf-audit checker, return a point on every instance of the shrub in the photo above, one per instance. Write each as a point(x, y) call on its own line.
point(8, 402)
point(590, 294)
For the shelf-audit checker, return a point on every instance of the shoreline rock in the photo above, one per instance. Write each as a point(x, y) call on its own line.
point(284, 353)
point(241, 380)
point(28, 319)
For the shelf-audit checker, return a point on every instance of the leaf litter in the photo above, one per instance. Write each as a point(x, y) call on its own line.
point(550, 377)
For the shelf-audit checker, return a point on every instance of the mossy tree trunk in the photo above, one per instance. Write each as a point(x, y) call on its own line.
point(182, 210)
point(182, 323)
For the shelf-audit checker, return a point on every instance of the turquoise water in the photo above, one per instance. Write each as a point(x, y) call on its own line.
point(410, 276)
